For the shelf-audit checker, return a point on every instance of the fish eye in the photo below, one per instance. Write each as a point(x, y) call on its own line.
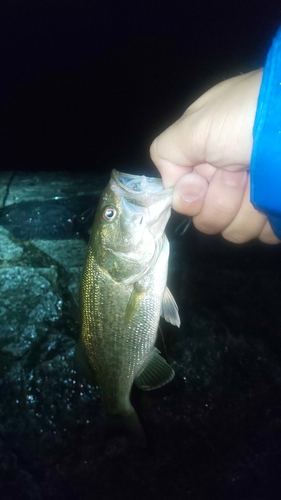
point(109, 213)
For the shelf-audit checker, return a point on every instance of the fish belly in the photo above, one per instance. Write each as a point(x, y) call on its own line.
point(117, 348)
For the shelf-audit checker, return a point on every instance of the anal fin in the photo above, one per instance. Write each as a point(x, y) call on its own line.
point(155, 374)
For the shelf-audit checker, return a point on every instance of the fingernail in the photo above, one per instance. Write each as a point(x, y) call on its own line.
point(232, 178)
point(191, 192)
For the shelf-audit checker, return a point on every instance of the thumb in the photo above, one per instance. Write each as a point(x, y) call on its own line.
point(189, 194)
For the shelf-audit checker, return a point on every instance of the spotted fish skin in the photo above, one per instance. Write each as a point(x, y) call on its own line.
point(123, 291)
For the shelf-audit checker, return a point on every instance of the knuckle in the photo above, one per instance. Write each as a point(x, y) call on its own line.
point(224, 204)
point(204, 227)
point(235, 237)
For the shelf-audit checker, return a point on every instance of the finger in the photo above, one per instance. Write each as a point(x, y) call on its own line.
point(268, 236)
point(248, 223)
point(171, 173)
point(171, 152)
point(189, 194)
point(216, 128)
point(206, 170)
point(222, 201)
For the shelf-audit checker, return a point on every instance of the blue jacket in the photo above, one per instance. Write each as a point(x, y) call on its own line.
point(265, 169)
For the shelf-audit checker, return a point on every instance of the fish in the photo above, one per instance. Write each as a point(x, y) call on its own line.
point(124, 292)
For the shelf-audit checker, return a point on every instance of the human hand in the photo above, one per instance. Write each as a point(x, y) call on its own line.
point(206, 156)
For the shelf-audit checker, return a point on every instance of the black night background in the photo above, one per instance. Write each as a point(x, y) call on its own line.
point(88, 82)
point(85, 86)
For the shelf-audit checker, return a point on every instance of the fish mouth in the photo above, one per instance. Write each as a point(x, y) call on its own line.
point(137, 183)
point(143, 191)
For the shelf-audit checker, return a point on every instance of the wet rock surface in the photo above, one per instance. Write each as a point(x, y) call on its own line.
point(213, 432)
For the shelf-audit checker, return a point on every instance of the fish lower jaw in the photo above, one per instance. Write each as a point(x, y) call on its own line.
point(129, 256)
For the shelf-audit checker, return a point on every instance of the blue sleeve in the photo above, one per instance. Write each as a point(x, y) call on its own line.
point(265, 169)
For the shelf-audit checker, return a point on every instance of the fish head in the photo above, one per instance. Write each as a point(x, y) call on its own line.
point(130, 221)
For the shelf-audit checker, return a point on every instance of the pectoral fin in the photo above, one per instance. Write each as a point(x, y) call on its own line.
point(156, 373)
point(134, 302)
point(170, 311)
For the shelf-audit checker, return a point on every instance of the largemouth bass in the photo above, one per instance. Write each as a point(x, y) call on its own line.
point(123, 292)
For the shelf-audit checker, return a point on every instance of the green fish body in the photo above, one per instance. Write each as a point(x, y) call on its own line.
point(123, 292)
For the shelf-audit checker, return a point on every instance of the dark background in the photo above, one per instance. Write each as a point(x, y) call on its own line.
point(87, 84)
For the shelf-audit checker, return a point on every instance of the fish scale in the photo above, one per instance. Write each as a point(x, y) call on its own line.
point(123, 291)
